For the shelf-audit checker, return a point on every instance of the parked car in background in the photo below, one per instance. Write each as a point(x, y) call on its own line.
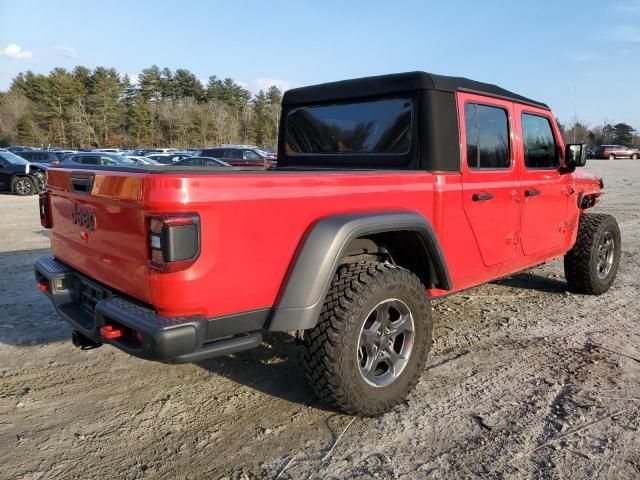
point(18, 176)
point(147, 151)
point(44, 156)
point(98, 159)
point(201, 162)
point(138, 160)
point(108, 150)
point(239, 156)
point(168, 158)
point(270, 153)
point(19, 148)
point(616, 151)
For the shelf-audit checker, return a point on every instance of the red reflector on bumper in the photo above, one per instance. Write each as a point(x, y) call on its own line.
point(43, 286)
point(110, 332)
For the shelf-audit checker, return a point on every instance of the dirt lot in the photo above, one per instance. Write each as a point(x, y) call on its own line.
point(524, 380)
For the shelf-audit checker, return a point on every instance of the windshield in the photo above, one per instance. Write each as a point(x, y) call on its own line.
point(371, 127)
point(13, 159)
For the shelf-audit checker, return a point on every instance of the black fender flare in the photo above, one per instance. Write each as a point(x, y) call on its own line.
point(304, 289)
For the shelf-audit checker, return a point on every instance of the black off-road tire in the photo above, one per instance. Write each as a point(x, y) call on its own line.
point(581, 262)
point(331, 348)
point(23, 186)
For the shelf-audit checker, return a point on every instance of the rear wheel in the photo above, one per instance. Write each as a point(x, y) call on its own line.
point(372, 338)
point(591, 265)
point(612, 157)
point(23, 186)
point(634, 156)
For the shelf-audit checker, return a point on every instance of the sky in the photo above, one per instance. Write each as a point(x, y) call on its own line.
point(579, 57)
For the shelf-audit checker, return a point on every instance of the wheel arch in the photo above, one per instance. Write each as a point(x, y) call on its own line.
point(331, 240)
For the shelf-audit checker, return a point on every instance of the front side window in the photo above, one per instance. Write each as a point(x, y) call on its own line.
point(487, 135)
point(540, 149)
point(373, 127)
point(250, 155)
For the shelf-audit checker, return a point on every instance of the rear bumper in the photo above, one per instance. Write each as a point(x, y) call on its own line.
point(87, 306)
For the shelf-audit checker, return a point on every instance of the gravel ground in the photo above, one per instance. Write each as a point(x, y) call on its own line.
point(524, 381)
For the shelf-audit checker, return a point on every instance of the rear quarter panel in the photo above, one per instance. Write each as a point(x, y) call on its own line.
point(252, 224)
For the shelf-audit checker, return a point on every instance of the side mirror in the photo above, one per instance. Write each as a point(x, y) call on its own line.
point(575, 155)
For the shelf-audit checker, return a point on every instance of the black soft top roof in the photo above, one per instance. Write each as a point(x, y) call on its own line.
point(394, 83)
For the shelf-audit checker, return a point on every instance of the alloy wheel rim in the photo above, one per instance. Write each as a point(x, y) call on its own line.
point(23, 186)
point(386, 342)
point(606, 251)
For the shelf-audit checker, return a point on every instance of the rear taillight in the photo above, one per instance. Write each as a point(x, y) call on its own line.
point(174, 241)
point(43, 285)
point(45, 209)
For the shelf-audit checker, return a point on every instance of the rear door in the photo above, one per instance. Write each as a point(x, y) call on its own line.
point(489, 176)
point(544, 189)
point(87, 159)
point(233, 156)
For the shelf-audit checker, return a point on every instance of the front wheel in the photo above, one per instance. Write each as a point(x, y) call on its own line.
point(372, 338)
point(634, 156)
point(23, 186)
point(591, 265)
point(612, 157)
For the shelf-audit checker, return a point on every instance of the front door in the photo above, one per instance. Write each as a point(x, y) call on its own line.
point(489, 176)
point(544, 189)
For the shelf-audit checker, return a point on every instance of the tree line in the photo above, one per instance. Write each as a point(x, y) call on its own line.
point(604, 134)
point(102, 108)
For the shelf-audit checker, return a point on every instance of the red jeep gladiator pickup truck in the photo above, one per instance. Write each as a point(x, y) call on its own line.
point(389, 191)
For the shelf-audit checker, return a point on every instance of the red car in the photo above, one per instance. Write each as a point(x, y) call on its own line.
point(616, 151)
point(389, 191)
point(240, 156)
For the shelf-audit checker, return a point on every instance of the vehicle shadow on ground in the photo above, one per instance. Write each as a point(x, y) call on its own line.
point(274, 368)
point(26, 315)
point(533, 281)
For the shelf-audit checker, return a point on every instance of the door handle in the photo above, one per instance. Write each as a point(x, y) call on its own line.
point(532, 193)
point(482, 197)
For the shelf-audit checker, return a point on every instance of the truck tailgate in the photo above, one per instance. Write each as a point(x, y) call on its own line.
point(99, 226)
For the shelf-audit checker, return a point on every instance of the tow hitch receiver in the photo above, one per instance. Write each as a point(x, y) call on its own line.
point(111, 332)
point(83, 342)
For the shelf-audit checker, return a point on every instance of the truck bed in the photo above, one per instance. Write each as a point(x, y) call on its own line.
point(252, 222)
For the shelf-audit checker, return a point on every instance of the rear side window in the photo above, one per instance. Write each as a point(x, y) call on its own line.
point(540, 149)
point(487, 135)
point(88, 160)
point(233, 153)
point(372, 127)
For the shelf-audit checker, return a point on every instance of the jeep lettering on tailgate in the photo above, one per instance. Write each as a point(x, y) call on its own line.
point(84, 218)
